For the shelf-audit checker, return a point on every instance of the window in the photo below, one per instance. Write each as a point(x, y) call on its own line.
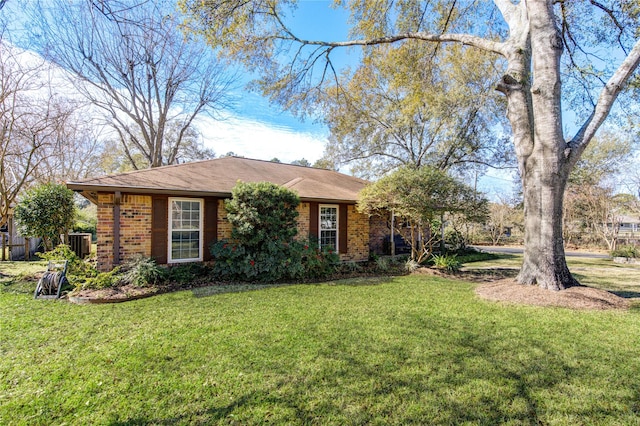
point(185, 230)
point(329, 227)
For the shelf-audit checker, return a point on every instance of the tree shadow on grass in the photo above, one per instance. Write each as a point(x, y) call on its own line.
point(362, 281)
point(626, 294)
point(216, 289)
point(391, 383)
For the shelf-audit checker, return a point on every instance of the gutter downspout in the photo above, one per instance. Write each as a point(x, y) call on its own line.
point(116, 227)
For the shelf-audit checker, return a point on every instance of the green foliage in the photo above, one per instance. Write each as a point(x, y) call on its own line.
point(455, 239)
point(448, 262)
point(296, 260)
point(318, 263)
point(410, 86)
point(603, 158)
point(626, 251)
point(420, 194)
point(382, 264)
point(86, 220)
point(143, 272)
point(78, 270)
point(262, 246)
point(418, 197)
point(262, 212)
point(102, 280)
point(46, 211)
point(469, 256)
point(189, 272)
point(351, 267)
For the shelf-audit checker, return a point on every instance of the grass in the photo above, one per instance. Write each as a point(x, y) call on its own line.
point(621, 279)
point(408, 350)
point(18, 277)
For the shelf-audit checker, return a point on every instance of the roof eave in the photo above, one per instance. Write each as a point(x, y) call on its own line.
point(88, 192)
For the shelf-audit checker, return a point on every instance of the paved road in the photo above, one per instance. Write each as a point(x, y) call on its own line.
point(520, 250)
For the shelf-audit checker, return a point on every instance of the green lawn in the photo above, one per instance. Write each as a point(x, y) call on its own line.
point(408, 350)
point(621, 279)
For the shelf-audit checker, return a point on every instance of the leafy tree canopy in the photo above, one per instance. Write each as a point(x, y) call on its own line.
point(46, 211)
point(416, 104)
point(419, 196)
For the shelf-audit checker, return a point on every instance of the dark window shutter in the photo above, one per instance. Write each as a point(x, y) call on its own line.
point(314, 211)
point(159, 229)
point(210, 225)
point(342, 228)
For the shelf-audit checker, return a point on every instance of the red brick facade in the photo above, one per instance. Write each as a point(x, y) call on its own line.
point(136, 228)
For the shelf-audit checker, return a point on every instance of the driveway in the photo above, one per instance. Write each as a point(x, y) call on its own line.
point(520, 250)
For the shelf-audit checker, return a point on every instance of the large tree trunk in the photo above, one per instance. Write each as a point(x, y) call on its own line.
point(536, 118)
point(544, 258)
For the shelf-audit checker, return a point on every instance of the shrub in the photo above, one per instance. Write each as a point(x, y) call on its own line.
point(455, 239)
point(382, 264)
point(46, 211)
point(102, 280)
point(351, 267)
point(471, 255)
point(188, 272)
point(626, 251)
point(411, 265)
point(229, 257)
point(262, 246)
point(142, 272)
point(318, 263)
point(448, 262)
point(78, 270)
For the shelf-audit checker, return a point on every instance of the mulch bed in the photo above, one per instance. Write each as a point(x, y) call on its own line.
point(499, 284)
point(583, 298)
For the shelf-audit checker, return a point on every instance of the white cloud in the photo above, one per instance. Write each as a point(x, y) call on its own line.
point(254, 139)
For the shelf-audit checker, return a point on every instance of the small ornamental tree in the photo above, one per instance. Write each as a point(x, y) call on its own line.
point(262, 246)
point(46, 211)
point(418, 197)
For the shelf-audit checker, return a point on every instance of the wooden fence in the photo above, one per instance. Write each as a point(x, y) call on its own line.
point(17, 247)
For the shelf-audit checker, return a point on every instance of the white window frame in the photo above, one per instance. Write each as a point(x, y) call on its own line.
point(337, 229)
point(170, 230)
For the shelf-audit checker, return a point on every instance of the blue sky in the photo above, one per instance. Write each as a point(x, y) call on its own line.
point(275, 128)
point(256, 129)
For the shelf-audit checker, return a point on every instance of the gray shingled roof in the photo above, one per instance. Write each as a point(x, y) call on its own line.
point(217, 177)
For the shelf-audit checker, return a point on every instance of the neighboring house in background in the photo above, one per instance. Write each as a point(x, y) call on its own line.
point(173, 213)
point(629, 225)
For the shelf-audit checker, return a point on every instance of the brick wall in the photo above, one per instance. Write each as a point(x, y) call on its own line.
point(135, 228)
point(104, 231)
point(357, 236)
point(303, 221)
point(224, 227)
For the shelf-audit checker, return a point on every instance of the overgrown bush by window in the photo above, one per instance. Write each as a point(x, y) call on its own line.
point(318, 263)
point(188, 273)
point(262, 246)
point(143, 272)
point(295, 260)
